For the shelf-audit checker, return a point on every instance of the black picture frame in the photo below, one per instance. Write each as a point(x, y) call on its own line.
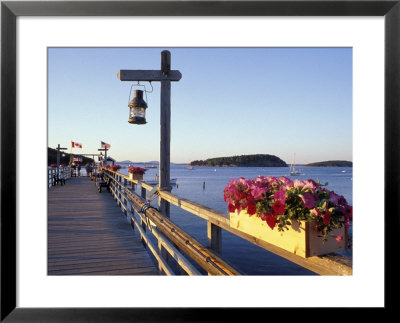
point(10, 10)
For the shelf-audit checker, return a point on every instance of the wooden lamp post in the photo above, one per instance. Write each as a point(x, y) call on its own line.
point(58, 159)
point(165, 76)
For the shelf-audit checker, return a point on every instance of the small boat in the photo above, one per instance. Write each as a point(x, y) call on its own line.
point(344, 171)
point(190, 167)
point(293, 171)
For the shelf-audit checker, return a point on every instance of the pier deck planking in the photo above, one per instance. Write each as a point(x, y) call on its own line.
point(89, 235)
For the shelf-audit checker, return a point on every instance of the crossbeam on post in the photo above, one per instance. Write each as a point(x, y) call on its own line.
point(148, 76)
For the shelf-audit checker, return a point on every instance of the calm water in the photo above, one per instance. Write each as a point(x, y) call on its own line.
point(243, 255)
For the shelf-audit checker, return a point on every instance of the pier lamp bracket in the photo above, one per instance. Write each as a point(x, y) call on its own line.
point(165, 76)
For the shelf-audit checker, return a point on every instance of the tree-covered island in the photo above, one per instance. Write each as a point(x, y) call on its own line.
point(331, 163)
point(259, 160)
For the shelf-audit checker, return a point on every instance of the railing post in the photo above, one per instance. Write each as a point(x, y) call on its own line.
point(214, 235)
point(125, 185)
point(163, 254)
point(119, 186)
point(143, 194)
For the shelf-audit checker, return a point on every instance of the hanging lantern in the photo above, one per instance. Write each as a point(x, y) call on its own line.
point(137, 112)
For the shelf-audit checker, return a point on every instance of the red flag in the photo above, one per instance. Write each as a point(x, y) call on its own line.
point(76, 145)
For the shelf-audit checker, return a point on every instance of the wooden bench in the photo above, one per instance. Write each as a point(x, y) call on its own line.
point(57, 180)
point(103, 183)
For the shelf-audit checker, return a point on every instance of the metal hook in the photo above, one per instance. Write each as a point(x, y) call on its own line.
point(145, 90)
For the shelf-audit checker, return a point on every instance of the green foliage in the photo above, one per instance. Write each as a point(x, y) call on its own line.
point(332, 163)
point(258, 160)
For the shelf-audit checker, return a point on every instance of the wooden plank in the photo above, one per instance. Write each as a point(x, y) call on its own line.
point(89, 235)
point(105, 271)
point(148, 75)
point(107, 265)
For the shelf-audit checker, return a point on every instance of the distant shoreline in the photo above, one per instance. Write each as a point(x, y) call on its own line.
point(257, 160)
point(183, 164)
point(317, 164)
point(331, 163)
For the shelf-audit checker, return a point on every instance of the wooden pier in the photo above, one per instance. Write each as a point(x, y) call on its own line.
point(89, 235)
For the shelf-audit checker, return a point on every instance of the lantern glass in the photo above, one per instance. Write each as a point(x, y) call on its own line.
point(137, 109)
point(138, 112)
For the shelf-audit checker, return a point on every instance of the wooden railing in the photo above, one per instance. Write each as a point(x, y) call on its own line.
point(65, 173)
point(173, 240)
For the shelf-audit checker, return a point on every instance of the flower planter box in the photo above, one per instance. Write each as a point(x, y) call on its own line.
point(136, 176)
point(301, 239)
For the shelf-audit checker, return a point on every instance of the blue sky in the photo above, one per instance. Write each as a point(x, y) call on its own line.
point(230, 101)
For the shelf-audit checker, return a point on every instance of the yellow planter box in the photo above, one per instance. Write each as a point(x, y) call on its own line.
point(136, 176)
point(301, 239)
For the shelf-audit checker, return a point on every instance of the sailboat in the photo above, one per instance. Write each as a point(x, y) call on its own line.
point(293, 171)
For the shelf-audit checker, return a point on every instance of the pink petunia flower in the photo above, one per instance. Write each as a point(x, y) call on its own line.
point(231, 208)
point(270, 219)
point(326, 217)
point(315, 212)
point(342, 201)
point(251, 209)
point(257, 191)
point(339, 238)
point(348, 211)
point(297, 184)
point(280, 195)
point(276, 197)
point(278, 207)
point(334, 198)
point(308, 200)
point(309, 184)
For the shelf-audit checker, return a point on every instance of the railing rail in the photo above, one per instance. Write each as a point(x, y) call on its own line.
point(331, 264)
point(65, 173)
point(171, 239)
